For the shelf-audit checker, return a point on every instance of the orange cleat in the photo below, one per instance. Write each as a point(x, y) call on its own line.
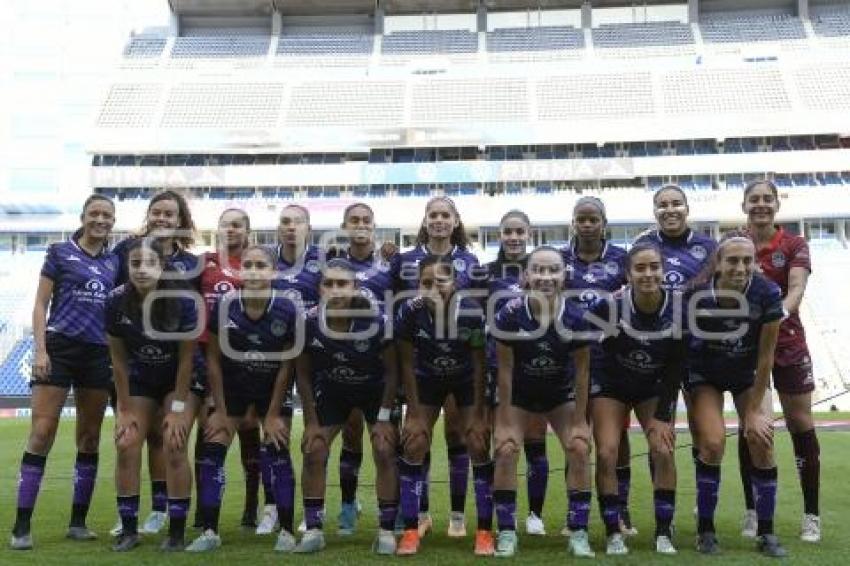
point(484, 543)
point(409, 543)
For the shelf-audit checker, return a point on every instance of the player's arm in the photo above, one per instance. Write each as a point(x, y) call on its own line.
point(185, 353)
point(505, 371)
point(671, 381)
point(120, 371)
point(214, 373)
point(581, 359)
point(304, 381)
point(275, 428)
point(767, 347)
point(408, 376)
point(390, 359)
point(41, 362)
point(798, 278)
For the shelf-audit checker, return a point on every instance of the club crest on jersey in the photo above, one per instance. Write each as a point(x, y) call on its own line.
point(95, 286)
point(223, 287)
point(459, 264)
point(778, 259)
point(698, 252)
point(674, 278)
point(313, 266)
point(361, 276)
point(278, 328)
point(612, 268)
point(383, 266)
point(361, 345)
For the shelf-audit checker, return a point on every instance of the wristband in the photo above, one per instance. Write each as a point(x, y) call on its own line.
point(178, 406)
point(384, 415)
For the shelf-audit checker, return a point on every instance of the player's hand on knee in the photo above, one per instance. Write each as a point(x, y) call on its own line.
point(126, 429)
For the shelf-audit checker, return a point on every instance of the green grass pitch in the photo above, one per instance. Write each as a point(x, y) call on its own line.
point(52, 512)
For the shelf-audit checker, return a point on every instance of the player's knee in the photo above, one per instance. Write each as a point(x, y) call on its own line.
point(384, 453)
point(578, 454)
point(416, 447)
point(606, 456)
point(41, 436)
point(711, 450)
point(316, 454)
point(88, 441)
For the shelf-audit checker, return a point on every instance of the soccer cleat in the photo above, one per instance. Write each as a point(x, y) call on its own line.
point(750, 524)
point(23, 542)
point(347, 519)
point(457, 525)
point(384, 544)
point(579, 545)
point(485, 545)
point(626, 527)
point(810, 528)
point(663, 545)
point(154, 523)
point(616, 545)
point(268, 524)
point(249, 518)
point(425, 524)
point(126, 543)
point(506, 544)
point(409, 543)
point(312, 541)
point(80, 533)
point(116, 530)
point(534, 525)
point(707, 543)
point(285, 542)
point(769, 546)
point(208, 541)
point(565, 532)
point(173, 545)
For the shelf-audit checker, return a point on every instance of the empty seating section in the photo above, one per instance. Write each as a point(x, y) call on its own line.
point(745, 28)
point(129, 105)
point(144, 47)
point(324, 47)
point(430, 42)
point(542, 38)
point(649, 34)
point(824, 87)
point(589, 96)
point(347, 103)
point(221, 46)
point(453, 102)
point(223, 105)
point(831, 21)
point(14, 369)
point(724, 91)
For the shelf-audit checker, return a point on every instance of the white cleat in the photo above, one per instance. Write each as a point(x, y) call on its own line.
point(663, 545)
point(616, 545)
point(810, 528)
point(385, 543)
point(268, 524)
point(750, 524)
point(457, 525)
point(154, 523)
point(207, 542)
point(312, 541)
point(534, 526)
point(285, 542)
point(23, 542)
point(579, 545)
point(117, 529)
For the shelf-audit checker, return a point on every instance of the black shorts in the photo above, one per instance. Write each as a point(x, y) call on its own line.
point(77, 364)
point(434, 391)
point(797, 379)
point(159, 390)
point(734, 384)
point(239, 398)
point(541, 396)
point(335, 402)
point(628, 392)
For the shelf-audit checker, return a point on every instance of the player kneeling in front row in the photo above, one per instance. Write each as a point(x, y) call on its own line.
point(250, 329)
point(542, 369)
point(347, 364)
point(441, 349)
point(733, 338)
point(641, 370)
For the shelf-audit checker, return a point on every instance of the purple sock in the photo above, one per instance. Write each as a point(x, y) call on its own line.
point(764, 491)
point(665, 507)
point(505, 503)
point(178, 509)
point(624, 485)
point(159, 495)
point(283, 483)
point(387, 512)
point(609, 507)
point(708, 486)
point(425, 480)
point(349, 471)
point(578, 513)
point(128, 510)
point(458, 477)
point(482, 479)
point(266, 474)
point(212, 480)
point(85, 474)
point(29, 482)
point(313, 512)
point(537, 475)
point(410, 484)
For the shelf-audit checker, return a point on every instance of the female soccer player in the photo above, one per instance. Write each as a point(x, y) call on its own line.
point(346, 364)
point(153, 381)
point(596, 268)
point(220, 275)
point(543, 369)
point(784, 259)
point(70, 351)
point(441, 350)
point(250, 330)
point(733, 326)
point(503, 277)
point(168, 220)
point(377, 275)
point(640, 369)
point(442, 233)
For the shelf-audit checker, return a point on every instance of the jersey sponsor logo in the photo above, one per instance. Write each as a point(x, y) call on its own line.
point(589, 296)
point(778, 259)
point(459, 264)
point(443, 347)
point(278, 328)
point(254, 339)
point(95, 286)
point(542, 362)
point(698, 252)
point(292, 294)
point(223, 287)
point(342, 373)
point(674, 278)
point(445, 363)
point(153, 354)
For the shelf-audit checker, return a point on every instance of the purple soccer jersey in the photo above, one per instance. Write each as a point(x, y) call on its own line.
point(685, 256)
point(375, 275)
point(180, 260)
point(299, 281)
point(607, 273)
point(81, 283)
point(465, 264)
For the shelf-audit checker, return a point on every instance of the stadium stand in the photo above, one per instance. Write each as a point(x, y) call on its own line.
point(750, 27)
point(649, 39)
point(347, 103)
point(585, 96)
point(430, 42)
point(229, 105)
point(831, 21)
point(144, 47)
point(324, 47)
